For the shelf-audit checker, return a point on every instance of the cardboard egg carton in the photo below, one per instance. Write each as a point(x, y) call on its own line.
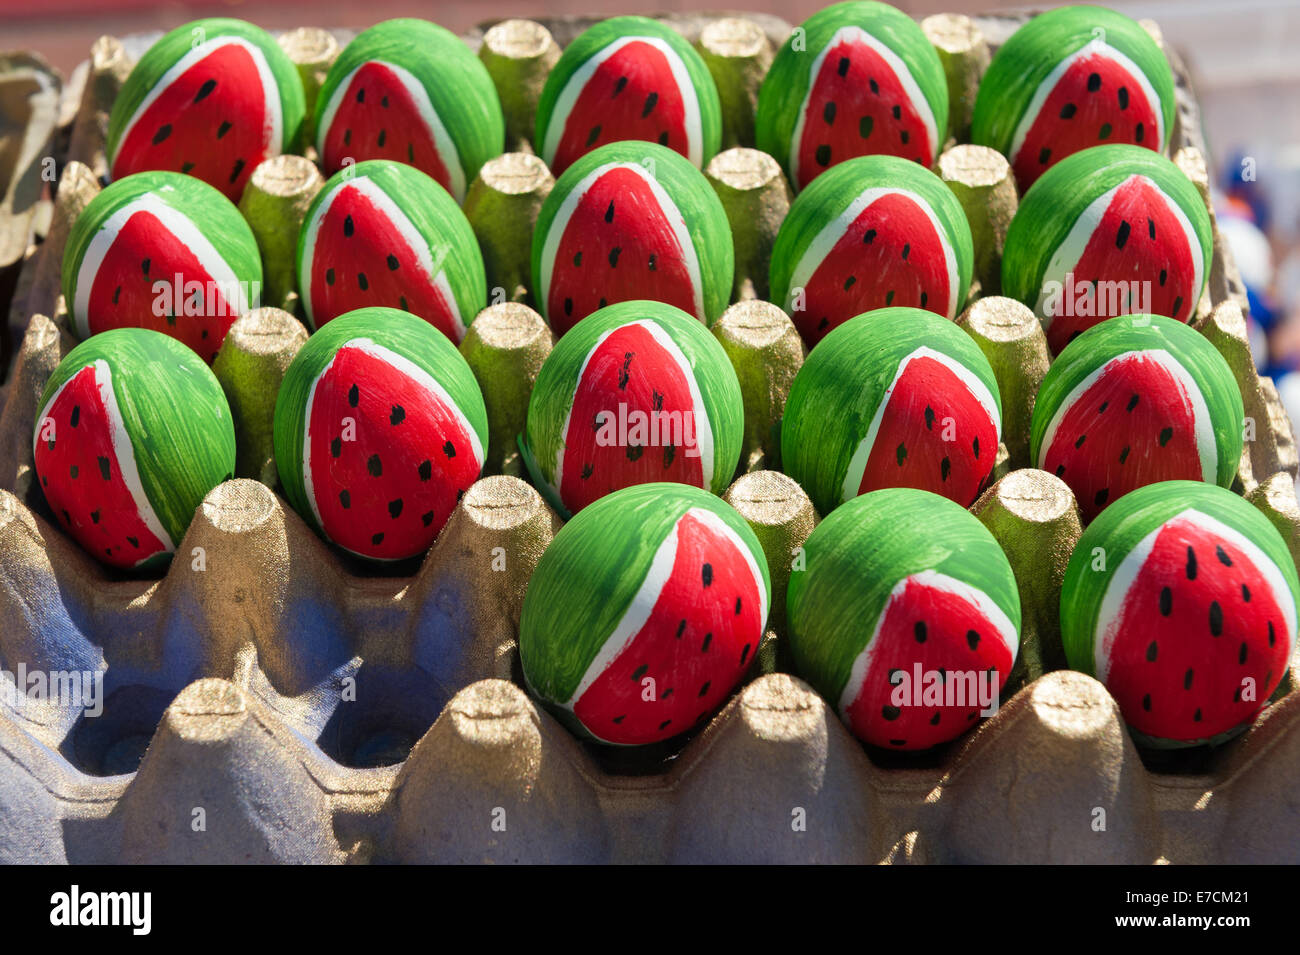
point(293, 705)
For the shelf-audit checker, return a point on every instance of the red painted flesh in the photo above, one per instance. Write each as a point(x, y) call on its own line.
point(697, 644)
point(1096, 102)
point(377, 118)
point(858, 107)
point(97, 511)
point(210, 122)
point(890, 255)
point(633, 95)
point(629, 367)
point(1139, 239)
point(122, 292)
point(928, 402)
point(1134, 426)
point(618, 246)
point(941, 631)
point(1179, 661)
point(362, 259)
point(387, 493)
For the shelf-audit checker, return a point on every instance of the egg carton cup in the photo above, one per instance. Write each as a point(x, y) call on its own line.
point(293, 704)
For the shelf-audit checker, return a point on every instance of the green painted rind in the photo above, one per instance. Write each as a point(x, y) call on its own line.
point(788, 80)
point(1127, 333)
point(706, 219)
point(1123, 524)
point(172, 406)
point(835, 394)
point(833, 191)
point(212, 213)
point(1052, 205)
point(164, 54)
point(599, 36)
point(553, 392)
point(457, 82)
point(434, 213)
point(856, 556)
point(589, 574)
point(1033, 51)
point(409, 336)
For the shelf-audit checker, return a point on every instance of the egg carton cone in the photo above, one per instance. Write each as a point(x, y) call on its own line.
point(270, 699)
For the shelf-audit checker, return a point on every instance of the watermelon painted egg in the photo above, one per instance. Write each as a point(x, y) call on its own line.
point(856, 79)
point(133, 431)
point(905, 617)
point(644, 613)
point(631, 221)
point(382, 233)
point(1181, 598)
point(380, 428)
point(639, 392)
point(1069, 79)
point(410, 91)
point(628, 78)
point(1136, 400)
point(1112, 230)
point(874, 232)
point(162, 251)
point(213, 99)
point(893, 398)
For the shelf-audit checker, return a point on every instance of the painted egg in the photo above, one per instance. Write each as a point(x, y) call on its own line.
point(382, 233)
point(380, 428)
point(892, 398)
point(631, 221)
point(162, 251)
point(857, 79)
point(1136, 400)
point(639, 392)
point(1069, 79)
point(212, 98)
point(1181, 598)
point(905, 617)
point(628, 78)
point(872, 233)
point(1113, 230)
point(644, 613)
point(410, 91)
point(132, 433)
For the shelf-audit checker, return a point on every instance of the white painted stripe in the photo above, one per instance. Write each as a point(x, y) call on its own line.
point(273, 128)
point(432, 122)
point(123, 449)
point(1203, 425)
point(555, 232)
point(1095, 47)
point(919, 103)
point(422, 379)
point(1003, 628)
point(833, 231)
point(188, 235)
point(647, 595)
point(576, 83)
point(1121, 582)
point(700, 414)
point(977, 388)
point(405, 228)
point(1067, 254)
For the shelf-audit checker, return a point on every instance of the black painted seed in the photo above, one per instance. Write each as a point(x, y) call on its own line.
point(901, 454)
point(1122, 236)
point(345, 499)
point(634, 452)
point(929, 418)
point(649, 106)
point(223, 129)
point(397, 415)
point(1044, 155)
point(94, 517)
point(1060, 469)
point(1152, 652)
point(618, 87)
point(667, 693)
point(945, 468)
point(361, 95)
point(383, 101)
point(1178, 305)
point(681, 629)
point(568, 306)
point(427, 518)
point(1151, 227)
point(1082, 438)
point(329, 276)
point(890, 712)
point(1216, 619)
point(823, 155)
point(708, 638)
point(1241, 655)
point(76, 415)
point(640, 671)
point(393, 263)
point(843, 67)
point(449, 449)
point(653, 262)
point(1146, 702)
point(1105, 131)
point(849, 282)
point(889, 297)
point(354, 396)
point(377, 539)
point(383, 137)
point(144, 266)
point(744, 654)
point(336, 447)
point(614, 253)
point(106, 472)
point(828, 113)
point(348, 227)
point(707, 574)
point(410, 152)
point(1166, 601)
point(934, 720)
point(904, 136)
point(347, 137)
point(1099, 499)
point(164, 131)
point(705, 689)
point(425, 470)
point(925, 297)
point(609, 213)
point(186, 167)
point(1165, 435)
point(204, 90)
point(918, 631)
point(1123, 97)
point(1236, 696)
point(1272, 637)
point(865, 125)
point(395, 508)
point(664, 724)
point(73, 471)
point(1224, 559)
point(133, 541)
point(1187, 679)
point(362, 282)
point(375, 466)
point(663, 138)
point(737, 606)
point(1164, 275)
point(897, 111)
point(1094, 82)
point(869, 236)
point(907, 250)
point(620, 719)
point(1068, 111)
point(1132, 403)
point(972, 638)
point(1245, 594)
point(1191, 564)
point(593, 135)
point(975, 446)
point(116, 294)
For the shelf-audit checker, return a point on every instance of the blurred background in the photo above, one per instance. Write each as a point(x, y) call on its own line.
point(1241, 54)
